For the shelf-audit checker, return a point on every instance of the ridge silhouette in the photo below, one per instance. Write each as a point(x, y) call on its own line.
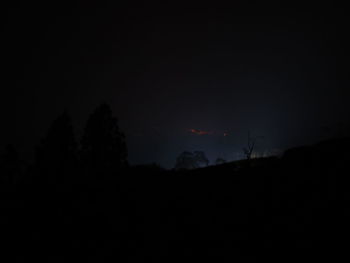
point(85, 202)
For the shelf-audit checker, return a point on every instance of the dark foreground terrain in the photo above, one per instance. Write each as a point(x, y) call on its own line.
point(288, 209)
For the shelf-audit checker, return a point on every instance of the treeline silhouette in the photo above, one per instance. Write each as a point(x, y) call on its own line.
point(61, 161)
point(81, 201)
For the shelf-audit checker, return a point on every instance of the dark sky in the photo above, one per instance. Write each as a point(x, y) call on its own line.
point(279, 72)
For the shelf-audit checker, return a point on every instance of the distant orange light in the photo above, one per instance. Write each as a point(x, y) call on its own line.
point(199, 132)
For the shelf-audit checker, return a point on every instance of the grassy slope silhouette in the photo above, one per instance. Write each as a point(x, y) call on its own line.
point(282, 208)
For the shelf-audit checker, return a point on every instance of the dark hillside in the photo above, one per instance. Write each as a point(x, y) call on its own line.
point(273, 208)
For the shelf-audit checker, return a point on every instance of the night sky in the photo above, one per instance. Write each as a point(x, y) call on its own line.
point(279, 72)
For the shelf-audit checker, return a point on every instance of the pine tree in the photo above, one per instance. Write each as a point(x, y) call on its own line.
point(56, 156)
point(10, 166)
point(103, 147)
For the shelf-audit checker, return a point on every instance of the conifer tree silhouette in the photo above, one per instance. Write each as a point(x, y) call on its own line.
point(103, 147)
point(10, 165)
point(56, 156)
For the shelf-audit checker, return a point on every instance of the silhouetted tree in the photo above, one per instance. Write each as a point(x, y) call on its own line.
point(201, 158)
point(185, 161)
point(220, 161)
point(10, 166)
point(248, 151)
point(103, 146)
point(189, 160)
point(56, 156)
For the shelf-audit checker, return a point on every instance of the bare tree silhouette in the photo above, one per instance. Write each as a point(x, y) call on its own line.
point(248, 150)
